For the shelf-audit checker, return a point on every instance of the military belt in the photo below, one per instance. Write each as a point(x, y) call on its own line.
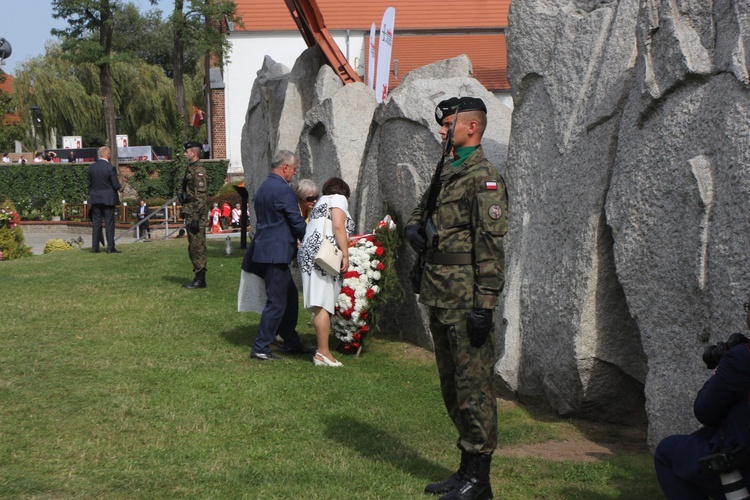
point(449, 259)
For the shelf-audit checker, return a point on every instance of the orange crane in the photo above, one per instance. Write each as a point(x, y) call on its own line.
point(310, 23)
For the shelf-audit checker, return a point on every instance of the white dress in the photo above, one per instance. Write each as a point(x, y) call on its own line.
point(320, 288)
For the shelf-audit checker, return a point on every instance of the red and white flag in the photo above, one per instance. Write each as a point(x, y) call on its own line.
point(197, 117)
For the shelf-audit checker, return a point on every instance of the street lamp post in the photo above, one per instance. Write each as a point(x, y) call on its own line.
point(34, 121)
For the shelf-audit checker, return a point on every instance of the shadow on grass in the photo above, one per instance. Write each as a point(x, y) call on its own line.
point(379, 446)
point(241, 336)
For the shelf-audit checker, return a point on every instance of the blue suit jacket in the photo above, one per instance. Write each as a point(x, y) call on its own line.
point(279, 224)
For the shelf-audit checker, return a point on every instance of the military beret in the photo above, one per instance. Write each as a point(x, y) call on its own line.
point(449, 106)
point(193, 144)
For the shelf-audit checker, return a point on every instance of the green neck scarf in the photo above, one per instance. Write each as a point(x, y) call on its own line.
point(462, 153)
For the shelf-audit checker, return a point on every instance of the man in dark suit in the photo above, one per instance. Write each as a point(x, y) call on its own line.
point(103, 196)
point(279, 227)
point(144, 212)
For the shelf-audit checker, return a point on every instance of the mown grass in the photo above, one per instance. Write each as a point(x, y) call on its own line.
point(116, 382)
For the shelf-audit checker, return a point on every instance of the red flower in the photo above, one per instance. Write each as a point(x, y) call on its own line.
point(370, 293)
point(380, 266)
point(351, 274)
point(379, 251)
point(356, 336)
point(364, 329)
point(348, 291)
point(363, 315)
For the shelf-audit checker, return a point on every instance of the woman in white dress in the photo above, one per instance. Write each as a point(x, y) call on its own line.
point(321, 290)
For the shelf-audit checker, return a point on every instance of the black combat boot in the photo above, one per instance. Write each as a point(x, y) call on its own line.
point(450, 483)
point(198, 282)
point(476, 481)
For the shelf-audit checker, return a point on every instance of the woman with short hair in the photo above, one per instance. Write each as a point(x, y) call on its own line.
point(329, 219)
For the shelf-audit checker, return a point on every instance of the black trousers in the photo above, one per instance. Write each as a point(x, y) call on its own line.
point(107, 212)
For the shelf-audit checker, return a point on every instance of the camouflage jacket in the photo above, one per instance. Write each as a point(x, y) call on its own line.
point(471, 218)
point(194, 188)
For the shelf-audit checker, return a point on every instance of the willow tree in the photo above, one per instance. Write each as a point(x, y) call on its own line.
point(69, 97)
point(88, 38)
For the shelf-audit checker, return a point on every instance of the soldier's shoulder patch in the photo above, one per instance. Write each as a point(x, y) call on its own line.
point(490, 185)
point(200, 174)
point(495, 212)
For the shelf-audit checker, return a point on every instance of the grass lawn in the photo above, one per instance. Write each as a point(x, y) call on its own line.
point(115, 382)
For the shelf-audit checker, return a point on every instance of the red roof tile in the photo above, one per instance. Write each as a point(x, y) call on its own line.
point(273, 15)
point(487, 54)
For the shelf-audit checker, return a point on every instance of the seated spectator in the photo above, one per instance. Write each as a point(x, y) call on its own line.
point(39, 158)
point(50, 156)
point(6, 158)
point(71, 157)
point(22, 159)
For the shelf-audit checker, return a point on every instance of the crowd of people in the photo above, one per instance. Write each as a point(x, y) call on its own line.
point(40, 157)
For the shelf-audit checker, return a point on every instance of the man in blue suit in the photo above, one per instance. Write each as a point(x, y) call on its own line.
point(722, 407)
point(279, 227)
point(103, 196)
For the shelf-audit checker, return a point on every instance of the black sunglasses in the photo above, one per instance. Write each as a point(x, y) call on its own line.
point(311, 199)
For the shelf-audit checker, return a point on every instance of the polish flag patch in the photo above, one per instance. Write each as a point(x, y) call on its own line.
point(490, 185)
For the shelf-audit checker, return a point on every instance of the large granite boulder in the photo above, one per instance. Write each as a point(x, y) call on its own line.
point(259, 135)
point(628, 248)
point(333, 138)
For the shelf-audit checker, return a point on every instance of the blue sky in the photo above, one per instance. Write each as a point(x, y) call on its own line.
point(26, 24)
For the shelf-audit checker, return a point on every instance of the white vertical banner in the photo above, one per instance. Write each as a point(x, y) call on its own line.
point(384, 54)
point(371, 59)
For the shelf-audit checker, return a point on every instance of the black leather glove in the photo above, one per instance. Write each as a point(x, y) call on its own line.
point(416, 238)
point(478, 326)
point(194, 227)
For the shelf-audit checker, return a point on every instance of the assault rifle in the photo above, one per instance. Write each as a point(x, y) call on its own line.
point(427, 228)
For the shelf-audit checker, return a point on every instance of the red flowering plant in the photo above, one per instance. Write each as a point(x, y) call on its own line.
point(368, 283)
point(9, 218)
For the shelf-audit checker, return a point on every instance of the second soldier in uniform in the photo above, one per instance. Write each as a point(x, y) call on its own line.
point(195, 210)
point(461, 282)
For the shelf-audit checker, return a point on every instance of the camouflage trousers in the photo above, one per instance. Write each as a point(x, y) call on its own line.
point(197, 247)
point(466, 380)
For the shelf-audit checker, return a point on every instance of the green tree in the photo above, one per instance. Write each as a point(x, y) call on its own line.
point(198, 23)
point(69, 97)
point(88, 38)
point(11, 129)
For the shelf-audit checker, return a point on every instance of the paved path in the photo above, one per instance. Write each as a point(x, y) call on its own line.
point(37, 240)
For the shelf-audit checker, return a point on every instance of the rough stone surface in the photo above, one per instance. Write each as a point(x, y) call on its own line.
point(261, 123)
point(301, 94)
point(628, 182)
point(334, 136)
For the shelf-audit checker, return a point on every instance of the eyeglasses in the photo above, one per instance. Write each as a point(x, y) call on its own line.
point(311, 199)
point(747, 306)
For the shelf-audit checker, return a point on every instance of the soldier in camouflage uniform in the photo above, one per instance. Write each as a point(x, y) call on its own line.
point(461, 282)
point(195, 211)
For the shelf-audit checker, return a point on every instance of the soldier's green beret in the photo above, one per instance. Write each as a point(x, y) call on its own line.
point(449, 106)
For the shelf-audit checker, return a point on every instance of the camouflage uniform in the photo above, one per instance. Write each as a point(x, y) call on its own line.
point(195, 209)
point(465, 271)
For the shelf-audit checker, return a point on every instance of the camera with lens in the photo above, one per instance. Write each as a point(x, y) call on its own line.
point(713, 353)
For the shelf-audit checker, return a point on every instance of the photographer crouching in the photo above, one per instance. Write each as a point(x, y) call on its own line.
point(713, 461)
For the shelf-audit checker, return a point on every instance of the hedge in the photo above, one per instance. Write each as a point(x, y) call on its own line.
point(38, 189)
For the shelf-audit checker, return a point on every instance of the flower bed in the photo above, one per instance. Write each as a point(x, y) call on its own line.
point(369, 283)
